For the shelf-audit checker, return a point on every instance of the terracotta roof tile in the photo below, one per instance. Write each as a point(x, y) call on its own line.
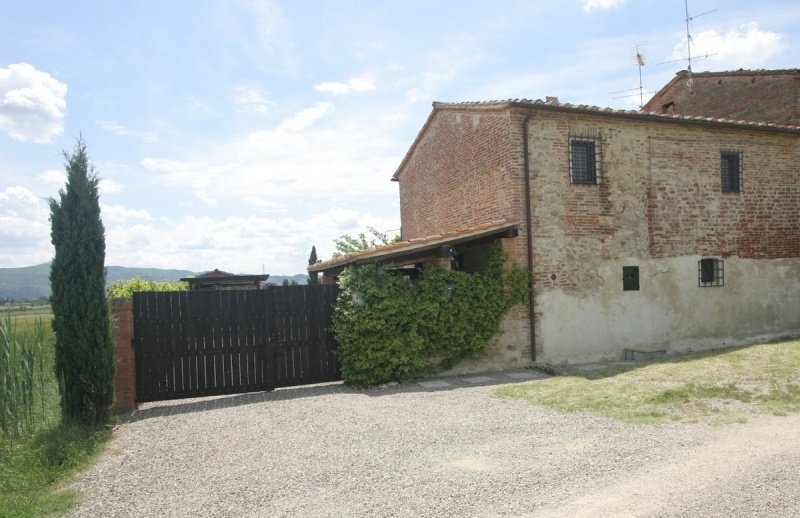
point(415, 244)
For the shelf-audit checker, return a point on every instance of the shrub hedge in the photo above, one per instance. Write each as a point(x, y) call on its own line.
point(392, 328)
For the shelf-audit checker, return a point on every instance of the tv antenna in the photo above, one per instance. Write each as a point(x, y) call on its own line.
point(689, 43)
point(639, 60)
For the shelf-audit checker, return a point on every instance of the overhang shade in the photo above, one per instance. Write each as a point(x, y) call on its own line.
point(404, 252)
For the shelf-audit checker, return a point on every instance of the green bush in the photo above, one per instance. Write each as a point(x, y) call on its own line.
point(126, 289)
point(390, 328)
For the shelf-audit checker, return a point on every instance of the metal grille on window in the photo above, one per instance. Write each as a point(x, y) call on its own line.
point(710, 272)
point(731, 165)
point(583, 161)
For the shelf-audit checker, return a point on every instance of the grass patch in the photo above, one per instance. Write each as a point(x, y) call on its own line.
point(720, 387)
point(38, 453)
point(32, 471)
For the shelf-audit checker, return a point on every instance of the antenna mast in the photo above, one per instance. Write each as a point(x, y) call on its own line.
point(688, 38)
point(639, 59)
point(690, 81)
point(640, 62)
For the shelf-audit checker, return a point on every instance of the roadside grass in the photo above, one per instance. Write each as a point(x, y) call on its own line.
point(38, 453)
point(719, 387)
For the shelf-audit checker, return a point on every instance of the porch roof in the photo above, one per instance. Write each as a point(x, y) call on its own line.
point(395, 252)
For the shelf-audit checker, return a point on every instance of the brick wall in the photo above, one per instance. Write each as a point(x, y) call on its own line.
point(462, 172)
point(660, 196)
point(747, 95)
point(690, 215)
point(125, 377)
point(660, 206)
point(467, 168)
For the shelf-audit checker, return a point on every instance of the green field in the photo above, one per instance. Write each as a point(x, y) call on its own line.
point(719, 387)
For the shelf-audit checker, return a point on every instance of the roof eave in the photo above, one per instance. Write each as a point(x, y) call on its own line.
point(409, 248)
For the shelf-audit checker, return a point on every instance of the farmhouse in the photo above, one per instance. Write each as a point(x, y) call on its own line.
point(645, 231)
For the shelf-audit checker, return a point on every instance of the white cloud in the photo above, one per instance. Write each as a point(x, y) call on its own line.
point(259, 166)
point(108, 186)
point(120, 130)
point(24, 227)
point(119, 214)
point(738, 47)
point(176, 173)
point(306, 118)
point(53, 177)
point(363, 83)
point(602, 5)
point(251, 99)
point(32, 103)
point(203, 243)
point(438, 71)
point(304, 182)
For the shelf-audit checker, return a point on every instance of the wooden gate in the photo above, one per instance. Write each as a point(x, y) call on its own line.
point(202, 343)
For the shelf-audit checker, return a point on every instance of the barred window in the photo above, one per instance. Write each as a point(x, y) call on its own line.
point(710, 272)
point(583, 161)
point(731, 165)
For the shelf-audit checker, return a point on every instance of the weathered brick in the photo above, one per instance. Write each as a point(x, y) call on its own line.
point(659, 204)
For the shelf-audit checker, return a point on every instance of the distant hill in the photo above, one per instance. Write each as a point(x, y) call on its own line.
point(30, 282)
point(33, 282)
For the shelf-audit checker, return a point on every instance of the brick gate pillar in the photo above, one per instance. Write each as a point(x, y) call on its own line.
point(125, 376)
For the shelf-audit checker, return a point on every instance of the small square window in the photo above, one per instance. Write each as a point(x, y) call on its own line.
point(583, 161)
point(710, 272)
point(731, 170)
point(630, 278)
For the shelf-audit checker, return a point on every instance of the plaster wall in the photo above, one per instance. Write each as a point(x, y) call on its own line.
point(760, 301)
point(508, 349)
point(659, 206)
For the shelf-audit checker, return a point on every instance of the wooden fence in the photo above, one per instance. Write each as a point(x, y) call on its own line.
point(200, 343)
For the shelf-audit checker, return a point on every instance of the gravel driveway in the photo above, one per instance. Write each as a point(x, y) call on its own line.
point(409, 450)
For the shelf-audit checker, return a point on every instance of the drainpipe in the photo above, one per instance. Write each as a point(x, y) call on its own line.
point(529, 228)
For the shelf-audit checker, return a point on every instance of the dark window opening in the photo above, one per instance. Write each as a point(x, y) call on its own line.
point(731, 168)
point(583, 161)
point(630, 278)
point(711, 272)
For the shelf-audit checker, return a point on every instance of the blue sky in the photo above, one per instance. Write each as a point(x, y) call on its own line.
point(236, 135)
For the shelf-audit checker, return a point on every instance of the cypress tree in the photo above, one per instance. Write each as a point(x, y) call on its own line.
point(313, 277)
point(84, 347)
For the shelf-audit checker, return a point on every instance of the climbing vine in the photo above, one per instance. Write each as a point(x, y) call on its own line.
point(392, 328)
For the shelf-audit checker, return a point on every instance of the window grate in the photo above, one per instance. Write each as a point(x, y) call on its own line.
point(585, 161)
point(710, 272)
point(731, 171)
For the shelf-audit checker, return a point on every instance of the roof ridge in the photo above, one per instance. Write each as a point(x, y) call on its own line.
point(621, 111)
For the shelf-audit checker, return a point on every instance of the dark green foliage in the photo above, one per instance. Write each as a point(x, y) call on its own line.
point(84, 348)
point(313, 277)
point(390, 328)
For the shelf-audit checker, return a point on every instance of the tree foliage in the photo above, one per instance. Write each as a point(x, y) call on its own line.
point(84, 347)
point(126, 289)
point(390, 328)
point(313, 277)
point(345, 243)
